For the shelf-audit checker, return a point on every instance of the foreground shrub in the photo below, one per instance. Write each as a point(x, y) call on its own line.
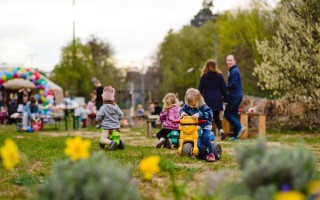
point(94, 178)
point(264, 172)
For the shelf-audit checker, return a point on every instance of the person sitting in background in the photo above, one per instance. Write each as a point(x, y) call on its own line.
point(12, 108)
point(23, 97)
point(140, 112)
point(157, 111)
point(3, 115)
point(30, 111)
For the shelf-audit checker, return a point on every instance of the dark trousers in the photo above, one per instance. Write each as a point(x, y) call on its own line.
point(77, 122)
point(163, 133)
point(84, 123)
point(217, 120)
point(231, 113)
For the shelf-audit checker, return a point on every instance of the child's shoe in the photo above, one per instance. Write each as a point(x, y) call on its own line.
point(223, 136)
point(160, 143)
point(112, 145)
point(101, 146)
point(211, 157)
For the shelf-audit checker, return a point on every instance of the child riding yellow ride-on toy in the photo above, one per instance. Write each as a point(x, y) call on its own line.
point(190, 138)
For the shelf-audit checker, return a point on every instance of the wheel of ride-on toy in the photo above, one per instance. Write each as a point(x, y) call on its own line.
point(168, 143)
point(217, 150)
point(121, 145)
point(187, 150)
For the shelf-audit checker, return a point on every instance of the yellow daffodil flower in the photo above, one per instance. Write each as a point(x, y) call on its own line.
point(150, 166)
point(292, 195)
point(77, 148)
point(314, 187)
point(10, 154)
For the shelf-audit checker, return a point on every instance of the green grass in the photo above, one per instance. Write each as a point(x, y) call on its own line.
point(40, 152)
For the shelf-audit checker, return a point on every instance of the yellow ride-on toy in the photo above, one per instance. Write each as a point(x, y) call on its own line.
point(190, 138)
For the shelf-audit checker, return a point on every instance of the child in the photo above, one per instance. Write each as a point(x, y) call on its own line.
point(3, 115)
point(140, 111)
point(31, 111)
point(77, 117)
point(109, 116)
point(169, 117)
point(197, 108)
point(84, 115)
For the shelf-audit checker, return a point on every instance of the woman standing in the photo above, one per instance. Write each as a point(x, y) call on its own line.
point(213, 89)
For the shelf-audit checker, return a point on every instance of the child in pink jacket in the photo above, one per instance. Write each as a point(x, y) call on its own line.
point(169, 118)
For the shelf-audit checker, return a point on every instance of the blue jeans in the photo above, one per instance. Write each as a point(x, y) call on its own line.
point(231, 113)
point(204, 139)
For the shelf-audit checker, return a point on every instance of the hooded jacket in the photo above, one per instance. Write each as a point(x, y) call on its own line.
point(213, 89)
point(169, 118)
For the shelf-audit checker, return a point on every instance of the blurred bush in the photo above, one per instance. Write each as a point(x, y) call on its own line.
point(264, 171)
point(94, 178)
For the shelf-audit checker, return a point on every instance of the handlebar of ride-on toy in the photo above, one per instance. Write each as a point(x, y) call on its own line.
point(188, 120)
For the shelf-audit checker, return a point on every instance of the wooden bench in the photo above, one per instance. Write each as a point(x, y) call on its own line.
point(149, 120)
point(244, 120)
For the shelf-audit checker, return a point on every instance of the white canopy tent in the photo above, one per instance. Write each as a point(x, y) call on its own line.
point(18, 83)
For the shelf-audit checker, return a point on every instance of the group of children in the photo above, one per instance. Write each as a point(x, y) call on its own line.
point(110, 114)
point(81, 115)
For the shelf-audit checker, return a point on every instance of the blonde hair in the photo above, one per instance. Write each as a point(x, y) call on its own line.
point(193, 96)
point(210, 65)
point(169, 100)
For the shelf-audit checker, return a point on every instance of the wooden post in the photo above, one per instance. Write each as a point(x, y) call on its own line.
point(244, 121)
point(226, 126)
point(149, 127)
point(262, 125)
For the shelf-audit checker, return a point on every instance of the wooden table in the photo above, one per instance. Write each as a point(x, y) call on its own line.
point(244, 120)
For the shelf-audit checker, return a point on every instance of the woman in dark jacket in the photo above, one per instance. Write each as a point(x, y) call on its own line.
point(213, 89)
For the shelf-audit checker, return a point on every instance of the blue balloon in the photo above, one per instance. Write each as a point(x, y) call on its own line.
point(37, 96)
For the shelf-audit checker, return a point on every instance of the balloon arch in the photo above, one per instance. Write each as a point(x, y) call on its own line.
point(45, 94)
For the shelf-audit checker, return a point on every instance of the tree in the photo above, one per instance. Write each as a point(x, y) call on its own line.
point(103, 67)
point(179, 53)
point(291, 60)
point(76, 80)
point(193, 46)
point(93, 59)
point(238, 32)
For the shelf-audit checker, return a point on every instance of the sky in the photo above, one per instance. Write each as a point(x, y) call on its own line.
point(33, 32)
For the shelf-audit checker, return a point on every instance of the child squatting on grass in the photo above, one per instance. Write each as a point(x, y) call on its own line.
point(196, 108)
point(109, 116)
point(169, 118)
